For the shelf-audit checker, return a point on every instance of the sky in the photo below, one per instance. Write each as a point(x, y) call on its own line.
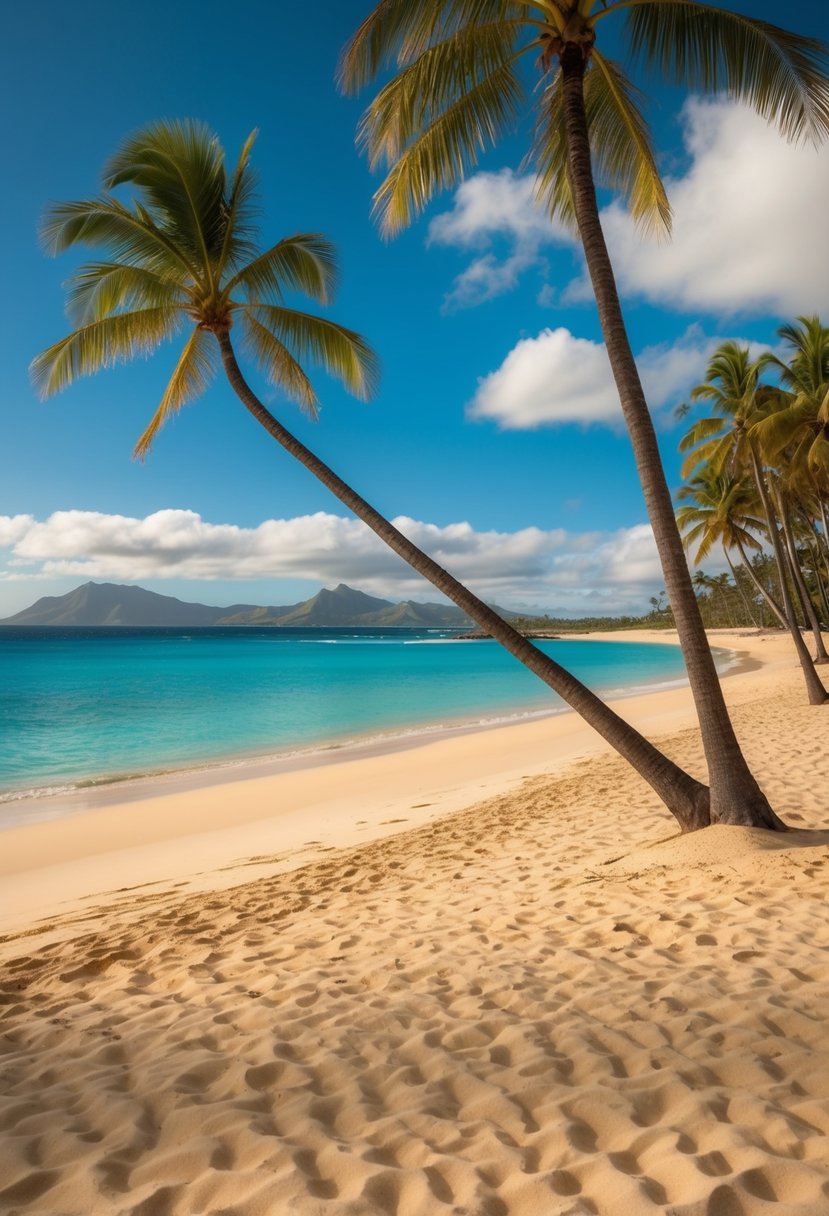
point(495, 439)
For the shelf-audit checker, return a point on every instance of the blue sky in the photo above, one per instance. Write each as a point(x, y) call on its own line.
point(494, 436)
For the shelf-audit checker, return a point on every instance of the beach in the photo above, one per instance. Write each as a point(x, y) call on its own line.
point(480, 976)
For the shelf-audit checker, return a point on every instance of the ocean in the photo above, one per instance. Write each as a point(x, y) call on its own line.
point(81, 707)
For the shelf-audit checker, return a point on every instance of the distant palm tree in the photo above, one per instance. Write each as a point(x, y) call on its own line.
point(457, 87)
point(721, 510)
point(727, 442)
point(184, 255)
point(802, 423)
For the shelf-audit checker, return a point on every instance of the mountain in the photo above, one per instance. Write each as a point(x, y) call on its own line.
point(113, 604)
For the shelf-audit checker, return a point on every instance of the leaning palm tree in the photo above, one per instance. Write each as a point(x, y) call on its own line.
point(184, 257)
point(458, 86)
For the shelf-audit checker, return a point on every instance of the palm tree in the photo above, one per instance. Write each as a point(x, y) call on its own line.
point(719, 510)
point(801, 425)
point(457, 86)
point(727, 442)
point(184, 254)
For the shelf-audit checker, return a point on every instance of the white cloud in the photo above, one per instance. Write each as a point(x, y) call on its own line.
point(749, 222)
point(487, 206)
point(558, 378)
point(749, 218)
point(574, 572)
point(555, 377)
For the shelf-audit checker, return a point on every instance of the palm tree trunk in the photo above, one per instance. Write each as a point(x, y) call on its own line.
point(808, 607)
point(814, 688)
point(767, 596)
point(736, 798)
point(686, 798)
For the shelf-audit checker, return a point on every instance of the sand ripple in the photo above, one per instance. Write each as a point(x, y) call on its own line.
point(540, 1006)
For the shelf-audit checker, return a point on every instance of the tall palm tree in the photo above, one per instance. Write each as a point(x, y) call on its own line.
point(457, 87)
point(727, 442)
point(184, 255)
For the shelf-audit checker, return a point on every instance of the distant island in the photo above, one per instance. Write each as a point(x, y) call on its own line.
point(113, 604)
point(100, 604)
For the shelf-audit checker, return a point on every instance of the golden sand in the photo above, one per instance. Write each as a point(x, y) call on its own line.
point(528, 998)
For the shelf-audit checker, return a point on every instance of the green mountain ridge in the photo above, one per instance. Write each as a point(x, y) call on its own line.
point(96, 604)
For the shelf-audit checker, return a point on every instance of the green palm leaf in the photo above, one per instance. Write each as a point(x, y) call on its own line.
point(305, 262)
point(440, 75)
point(339, 351)
point(399, 31)
point(101, 288)
point(179, 168)
point(195, 369)
point(438, 157)
point(780, 74)
point(129, 236)
point(103, 343)
point(278, 364)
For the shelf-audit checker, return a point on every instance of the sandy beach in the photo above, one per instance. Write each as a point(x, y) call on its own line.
point(483, 976)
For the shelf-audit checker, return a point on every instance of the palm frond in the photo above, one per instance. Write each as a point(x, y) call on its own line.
point(420, 92)
point(703, 428)
point(179, 169)
point(439, 157)
point(195, 369)
point(102, 344)
point(100, 288)
point(399, 31)
point(340, 352)
point(699, 46)
point(716, 452)
point(129, 236)
point(779, 429)
point(305, 262)
point(239, 241)
point(620, 147)
point(278, 364)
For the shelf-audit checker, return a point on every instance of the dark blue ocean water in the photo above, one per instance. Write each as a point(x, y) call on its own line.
point(86, 705)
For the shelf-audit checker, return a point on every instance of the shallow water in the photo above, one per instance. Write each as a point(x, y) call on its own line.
point(79, 706)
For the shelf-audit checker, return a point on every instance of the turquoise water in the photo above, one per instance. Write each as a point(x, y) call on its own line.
point(81, 706)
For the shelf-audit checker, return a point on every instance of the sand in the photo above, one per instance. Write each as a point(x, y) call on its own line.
point(309, 993)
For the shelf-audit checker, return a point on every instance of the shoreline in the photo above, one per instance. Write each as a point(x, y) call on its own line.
point(192, 828)
point(30, 805)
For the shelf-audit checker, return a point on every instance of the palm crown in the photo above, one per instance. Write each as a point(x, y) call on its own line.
point(183, 254)
point(458, 86)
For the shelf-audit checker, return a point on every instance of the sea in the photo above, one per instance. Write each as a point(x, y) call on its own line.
point(87, 707)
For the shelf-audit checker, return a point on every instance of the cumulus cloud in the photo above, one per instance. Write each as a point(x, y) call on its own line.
point(485, 207)
point(747, 233)
point(556, 569)
point(558, 378)
point(749, 218)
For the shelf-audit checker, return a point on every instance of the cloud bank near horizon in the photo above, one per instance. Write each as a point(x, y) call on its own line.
point(595, 572)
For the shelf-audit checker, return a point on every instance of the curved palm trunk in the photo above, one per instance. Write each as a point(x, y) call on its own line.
point(686, 798)
point(736, 798)
point(814, 688)
point(764, 592)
